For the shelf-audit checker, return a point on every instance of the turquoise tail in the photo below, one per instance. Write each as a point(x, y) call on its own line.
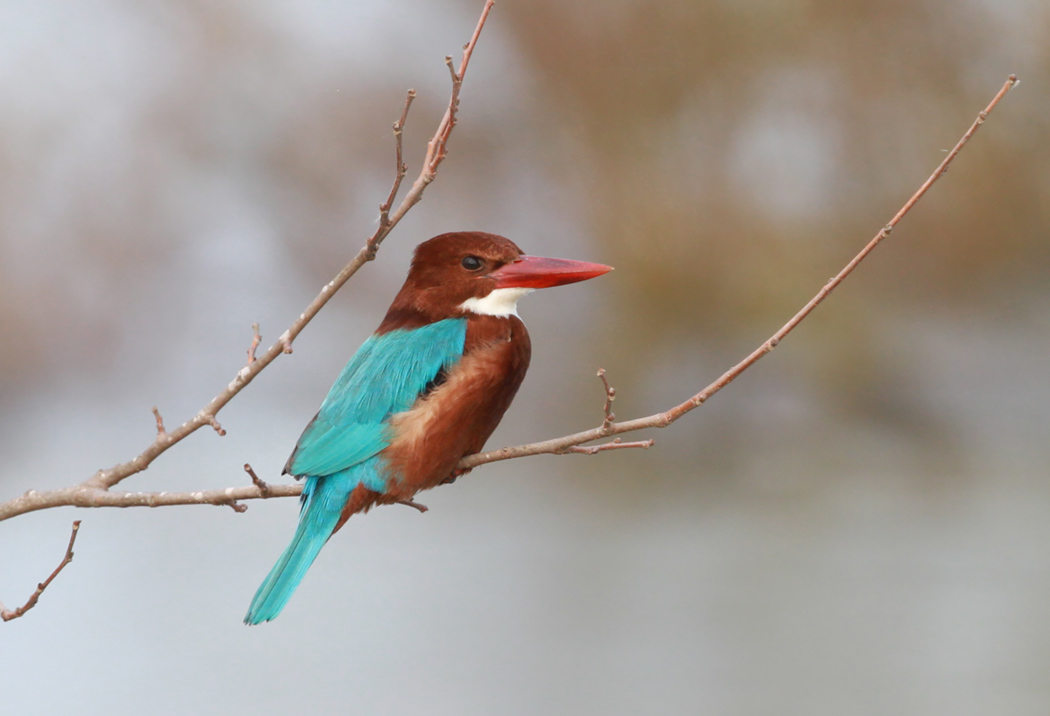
point(322, 502)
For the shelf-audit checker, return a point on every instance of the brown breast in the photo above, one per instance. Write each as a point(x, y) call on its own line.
point(457, 417)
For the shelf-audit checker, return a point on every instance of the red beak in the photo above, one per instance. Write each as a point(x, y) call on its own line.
point(540, 272)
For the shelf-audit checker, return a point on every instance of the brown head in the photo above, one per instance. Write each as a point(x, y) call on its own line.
point(471, 272)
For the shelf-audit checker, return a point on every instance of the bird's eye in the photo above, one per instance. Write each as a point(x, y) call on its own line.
point(472, 263)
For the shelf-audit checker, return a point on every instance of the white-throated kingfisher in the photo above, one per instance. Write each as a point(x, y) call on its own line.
point(425, 390)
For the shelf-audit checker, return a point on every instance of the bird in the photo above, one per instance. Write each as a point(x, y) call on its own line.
point(426, 389)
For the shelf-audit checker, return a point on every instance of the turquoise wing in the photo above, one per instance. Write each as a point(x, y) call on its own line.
point(338, 450)
point(385, 376)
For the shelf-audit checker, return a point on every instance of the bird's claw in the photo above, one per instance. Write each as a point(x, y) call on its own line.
point(457, 473)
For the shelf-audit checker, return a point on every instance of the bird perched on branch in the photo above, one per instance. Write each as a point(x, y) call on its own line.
point(425, 390)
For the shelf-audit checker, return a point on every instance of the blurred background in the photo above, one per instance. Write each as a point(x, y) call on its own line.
point(858, 525)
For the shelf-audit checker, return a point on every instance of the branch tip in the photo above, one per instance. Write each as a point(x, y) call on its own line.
point(9, 614)
point(210, 420)
point(610, 395)
point(256, 339)
point(161, 432)
point(264, 488)
point(400, 169)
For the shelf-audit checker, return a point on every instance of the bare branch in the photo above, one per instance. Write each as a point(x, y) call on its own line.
point(661, 420)
point(9, 614)
point(94, 492)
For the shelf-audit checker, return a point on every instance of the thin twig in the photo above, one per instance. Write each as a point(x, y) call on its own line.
point(256, 340)
point(162, 434)
point(9, 614)
point(610, 396)
point(437, 149)
point(264, 487)
point(400, 167)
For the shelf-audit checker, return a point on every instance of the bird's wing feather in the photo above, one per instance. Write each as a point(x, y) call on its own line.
point(322, 505)
point(386, 376)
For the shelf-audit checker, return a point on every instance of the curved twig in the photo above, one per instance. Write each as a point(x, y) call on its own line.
point(662, 420)
point(9, 614)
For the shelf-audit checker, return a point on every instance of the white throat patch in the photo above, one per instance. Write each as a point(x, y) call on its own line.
point(501, 302)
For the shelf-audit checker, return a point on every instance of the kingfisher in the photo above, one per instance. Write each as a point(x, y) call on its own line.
point(425, 390)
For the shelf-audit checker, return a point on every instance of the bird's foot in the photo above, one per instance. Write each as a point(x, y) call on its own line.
point(458, 472)
point(416, 505)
